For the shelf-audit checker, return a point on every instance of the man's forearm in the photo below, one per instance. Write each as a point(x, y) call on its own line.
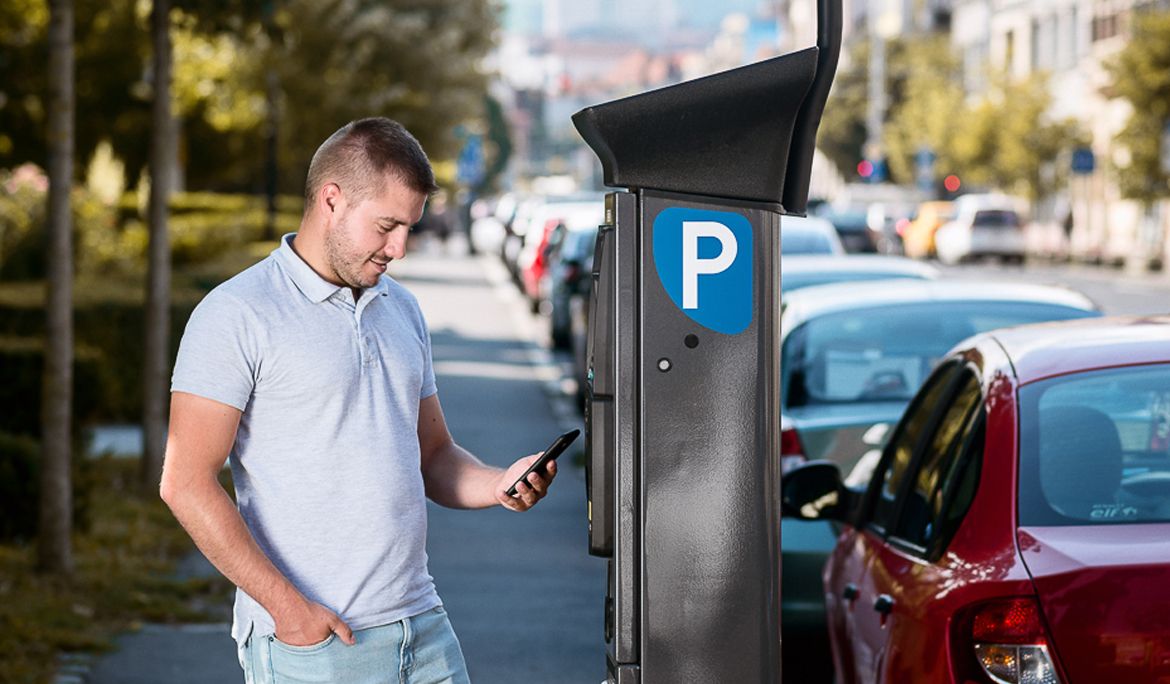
point(215, 525)
point(456, 479)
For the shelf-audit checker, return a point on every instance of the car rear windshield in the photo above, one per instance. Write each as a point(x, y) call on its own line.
point(1095, 448)
point(884, 353)
point(996, 217)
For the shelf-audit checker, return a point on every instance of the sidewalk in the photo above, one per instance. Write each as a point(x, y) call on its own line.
point(523, 594)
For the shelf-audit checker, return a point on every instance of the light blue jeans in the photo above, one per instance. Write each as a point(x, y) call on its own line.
point(418, 650)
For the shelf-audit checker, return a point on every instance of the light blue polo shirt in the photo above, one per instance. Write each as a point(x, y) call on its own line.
point(326, 459)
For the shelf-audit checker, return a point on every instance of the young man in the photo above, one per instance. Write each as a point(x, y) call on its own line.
point(312, 371)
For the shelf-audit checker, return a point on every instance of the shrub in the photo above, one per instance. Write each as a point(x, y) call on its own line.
point(22, 363)
point(20, 485)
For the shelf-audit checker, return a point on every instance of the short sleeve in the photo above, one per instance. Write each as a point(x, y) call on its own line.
point(218, 354)
point(429, 387)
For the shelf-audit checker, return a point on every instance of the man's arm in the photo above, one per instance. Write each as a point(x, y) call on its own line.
point(199, 440)
point(456, 479)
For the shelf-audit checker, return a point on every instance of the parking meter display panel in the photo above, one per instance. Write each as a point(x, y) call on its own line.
point(710, 477)
point(614, 482)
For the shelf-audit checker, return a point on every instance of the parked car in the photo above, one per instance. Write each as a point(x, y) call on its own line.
point(1016, 527)
point(798, 271)
point(529, 222)
point(854, 230)
point(808, 235)
point(918, 238)
point(533, 260)
point(852, 357)
point(569, 275)
point(984, 226)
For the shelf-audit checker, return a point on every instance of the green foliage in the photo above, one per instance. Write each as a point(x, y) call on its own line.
point(925, 78)
point(22, 219)
point(20, 479)
point(108, 371)
point(1007, 141)
point(125, 562)
point(1141, 75)
point(1003, 140)
point(841, 135)
point(22, 360)
point(417, 61)
point(112, 240)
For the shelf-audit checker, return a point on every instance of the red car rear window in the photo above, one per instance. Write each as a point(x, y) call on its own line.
point(1095, 448)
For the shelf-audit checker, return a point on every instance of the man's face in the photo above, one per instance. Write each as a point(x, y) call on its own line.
point(369, 235)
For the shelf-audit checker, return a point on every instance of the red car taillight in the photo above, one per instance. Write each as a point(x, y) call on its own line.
point(1009, 643)
point(791, 450)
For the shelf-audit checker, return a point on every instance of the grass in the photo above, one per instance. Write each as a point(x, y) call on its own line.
point(123, 577)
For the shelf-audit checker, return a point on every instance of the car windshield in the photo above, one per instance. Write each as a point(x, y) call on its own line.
point(796, 281)
point(805, 241)
point(1095, 448)
point(884, 353)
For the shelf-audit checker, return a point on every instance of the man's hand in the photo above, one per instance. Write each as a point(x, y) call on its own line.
point(310, 623)
point(529, 491)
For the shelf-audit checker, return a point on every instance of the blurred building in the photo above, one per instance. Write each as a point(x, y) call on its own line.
point(1070, 40)
point(558, 56)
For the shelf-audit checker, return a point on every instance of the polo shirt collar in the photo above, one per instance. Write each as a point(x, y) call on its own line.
point(313, 286)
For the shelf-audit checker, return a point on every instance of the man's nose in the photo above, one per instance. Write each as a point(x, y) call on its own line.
point(395, 247)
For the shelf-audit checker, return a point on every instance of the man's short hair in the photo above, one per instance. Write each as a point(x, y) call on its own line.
point(359, 156)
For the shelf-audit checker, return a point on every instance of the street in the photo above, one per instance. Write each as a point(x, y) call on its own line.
point(1117, 293)
point(523, 595)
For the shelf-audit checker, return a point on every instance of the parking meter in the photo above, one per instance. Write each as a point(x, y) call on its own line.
point(683, 414)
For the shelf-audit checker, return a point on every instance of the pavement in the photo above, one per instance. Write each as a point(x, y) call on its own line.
point(523, 595)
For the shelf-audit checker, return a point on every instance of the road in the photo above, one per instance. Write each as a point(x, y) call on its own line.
point(523, 594)
point(1115, 291)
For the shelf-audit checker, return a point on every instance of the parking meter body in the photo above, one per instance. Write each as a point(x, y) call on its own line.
point(682, 410)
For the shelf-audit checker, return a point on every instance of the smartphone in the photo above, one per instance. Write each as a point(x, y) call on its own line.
point(550, 454)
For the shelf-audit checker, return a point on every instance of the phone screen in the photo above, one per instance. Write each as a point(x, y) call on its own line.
point(555, 449)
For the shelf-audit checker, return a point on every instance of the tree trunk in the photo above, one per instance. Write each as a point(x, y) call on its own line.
point(54, 542)
point(158, 288)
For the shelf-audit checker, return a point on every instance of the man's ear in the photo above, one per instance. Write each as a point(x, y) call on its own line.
point(329, 197)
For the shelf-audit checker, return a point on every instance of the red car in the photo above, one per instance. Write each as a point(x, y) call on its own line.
point(1016, 527)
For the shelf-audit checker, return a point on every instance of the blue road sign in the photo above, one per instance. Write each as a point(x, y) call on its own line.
point(704, 261)
point(1083, 161)
point(470, 166)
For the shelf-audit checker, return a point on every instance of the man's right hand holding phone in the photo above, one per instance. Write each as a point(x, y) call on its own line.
point(528, 491)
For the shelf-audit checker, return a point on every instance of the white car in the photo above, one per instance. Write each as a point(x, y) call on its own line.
point(984, 226)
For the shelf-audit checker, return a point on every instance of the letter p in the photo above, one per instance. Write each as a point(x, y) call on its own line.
point(693, 266)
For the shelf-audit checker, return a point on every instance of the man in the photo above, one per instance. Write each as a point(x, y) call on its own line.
point(312, 370)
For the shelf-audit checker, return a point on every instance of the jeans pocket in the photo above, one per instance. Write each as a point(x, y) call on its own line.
point(311, 648)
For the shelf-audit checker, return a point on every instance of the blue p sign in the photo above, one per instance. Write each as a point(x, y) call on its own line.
point(704, 260)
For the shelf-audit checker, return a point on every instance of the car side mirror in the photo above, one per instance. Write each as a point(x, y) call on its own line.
point(814, 491)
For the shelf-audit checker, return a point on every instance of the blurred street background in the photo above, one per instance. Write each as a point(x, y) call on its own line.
point(151, 149)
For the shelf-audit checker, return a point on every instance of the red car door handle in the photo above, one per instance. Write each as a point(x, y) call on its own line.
point(884, 604)
point(850, 592)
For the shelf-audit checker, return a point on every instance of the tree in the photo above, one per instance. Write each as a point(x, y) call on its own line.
point(930, 106)
point(158, 285)
point(416, 61)
point(1008, 142)
point(54, 544)
point(1141, 75)
point(841, 135)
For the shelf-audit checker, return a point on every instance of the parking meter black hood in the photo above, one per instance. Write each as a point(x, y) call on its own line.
point(745, 134)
